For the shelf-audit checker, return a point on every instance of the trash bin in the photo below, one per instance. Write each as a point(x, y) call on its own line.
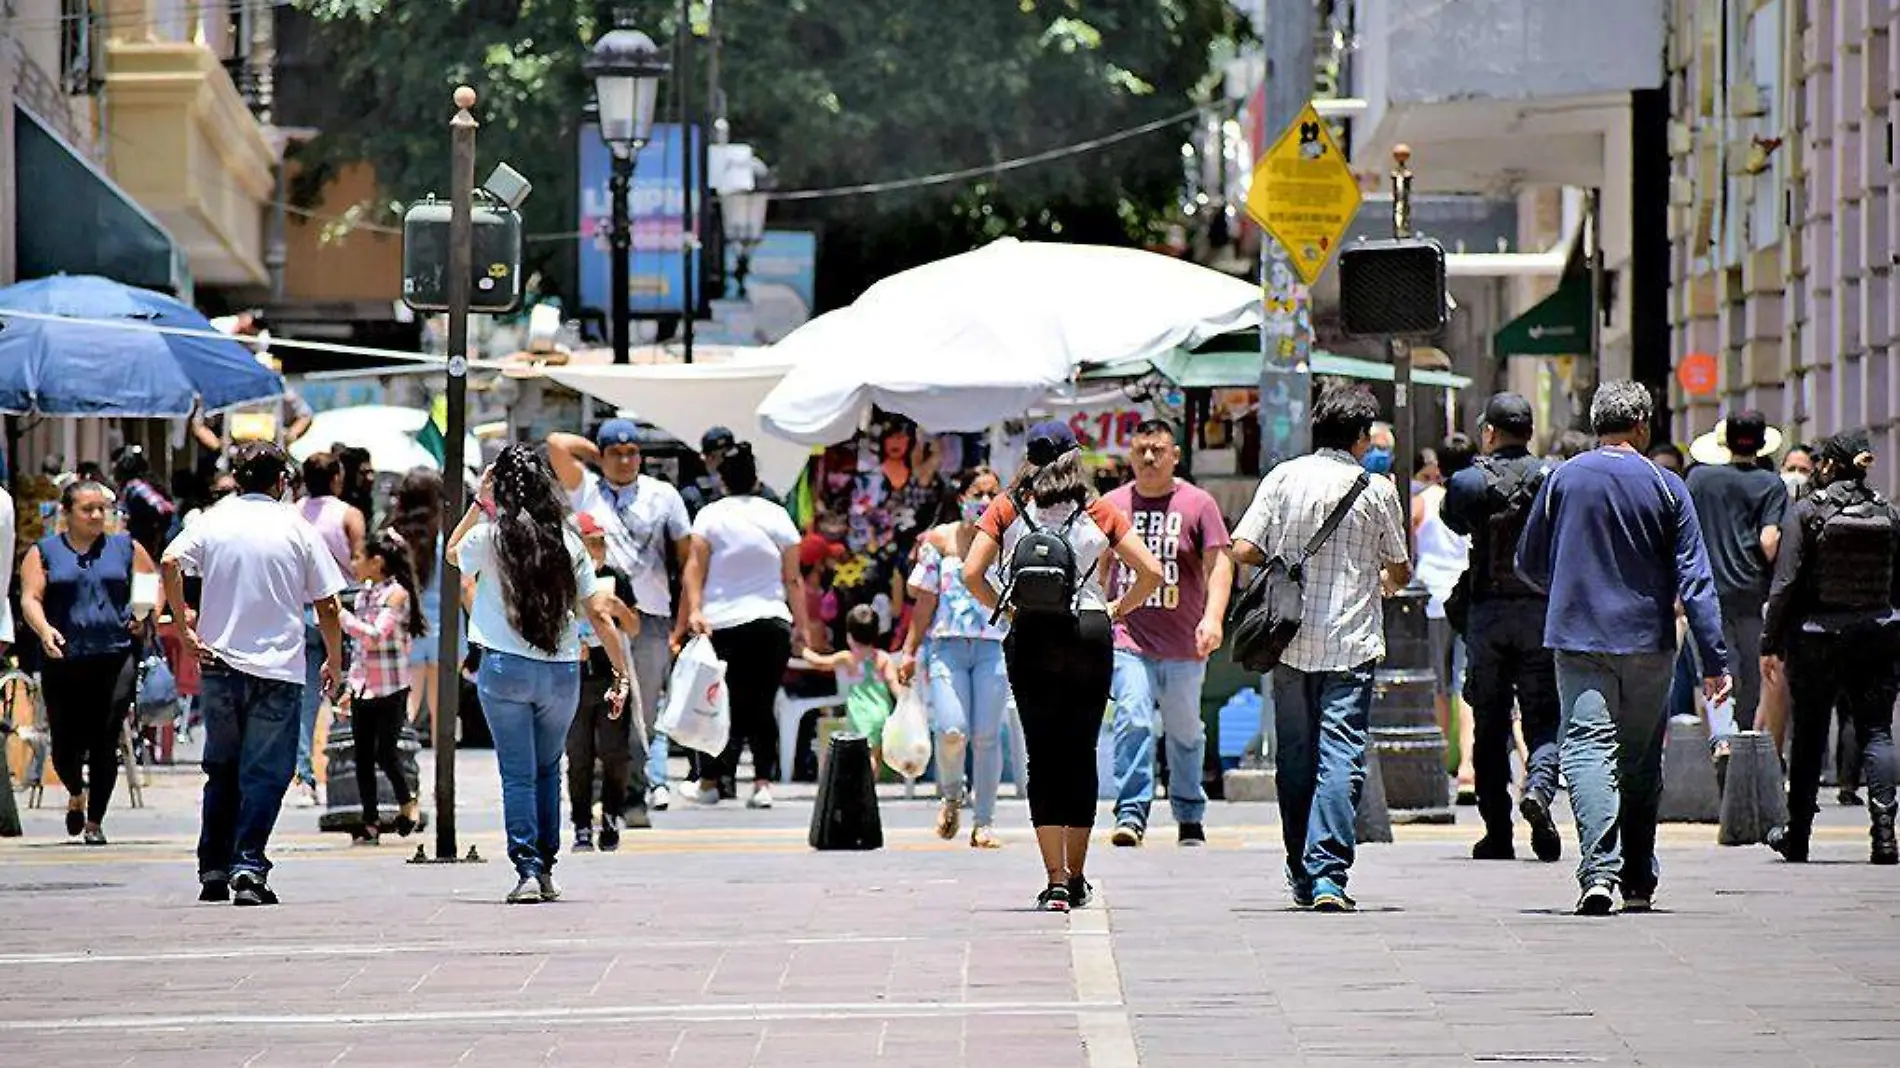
point(344, 808)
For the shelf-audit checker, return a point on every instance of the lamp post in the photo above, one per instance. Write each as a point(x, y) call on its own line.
point(626, 68)
point(742, 208)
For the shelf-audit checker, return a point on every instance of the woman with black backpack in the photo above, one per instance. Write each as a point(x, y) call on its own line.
point(1052, 535)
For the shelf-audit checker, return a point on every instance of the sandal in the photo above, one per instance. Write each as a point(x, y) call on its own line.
point(982, 837)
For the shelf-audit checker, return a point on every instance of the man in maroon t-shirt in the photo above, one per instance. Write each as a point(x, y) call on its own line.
point(1161, 648)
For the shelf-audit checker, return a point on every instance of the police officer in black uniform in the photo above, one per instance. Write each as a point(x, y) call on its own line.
point(1503, 623)
point(714, 446)
point(1833, 618)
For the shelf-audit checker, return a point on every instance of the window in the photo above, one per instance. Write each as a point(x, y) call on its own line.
point(82, 64)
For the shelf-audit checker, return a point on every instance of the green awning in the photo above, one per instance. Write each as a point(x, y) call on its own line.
point(1234, 369)
point(1558, 325)
point(71, 219)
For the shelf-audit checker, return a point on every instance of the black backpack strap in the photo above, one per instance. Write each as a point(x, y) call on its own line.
point(1022, 511)
point(1333, 519)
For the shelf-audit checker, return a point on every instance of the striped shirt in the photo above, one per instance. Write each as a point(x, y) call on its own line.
point(380, 665)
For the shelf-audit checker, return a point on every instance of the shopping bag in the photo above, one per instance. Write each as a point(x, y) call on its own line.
point(906, 741)
point(156, 696)
point(697, 714)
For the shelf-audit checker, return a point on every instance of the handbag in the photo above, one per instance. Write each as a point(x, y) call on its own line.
point(1266, 617)
point(156, 702)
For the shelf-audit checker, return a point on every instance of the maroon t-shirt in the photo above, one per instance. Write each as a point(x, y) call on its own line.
point(1180, 527)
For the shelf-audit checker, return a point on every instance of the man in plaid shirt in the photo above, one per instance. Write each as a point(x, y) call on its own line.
point(1322, 690)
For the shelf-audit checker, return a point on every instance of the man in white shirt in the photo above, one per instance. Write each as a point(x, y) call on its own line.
point(261, 564)
point(644, 519)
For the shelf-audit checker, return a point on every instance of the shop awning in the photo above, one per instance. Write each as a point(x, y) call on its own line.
point(1232, 369)
point(71, 218)
point(1558, 325)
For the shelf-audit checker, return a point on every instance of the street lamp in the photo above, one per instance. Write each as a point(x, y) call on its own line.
point(626, 67)
point(742, 208)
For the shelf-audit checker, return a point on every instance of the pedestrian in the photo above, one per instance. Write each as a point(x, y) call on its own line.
point(1571, 444)
point(385, 624)
point(1741, 507)
point(867, 677)
point(744, 590)
point(150, 516)
point(646, 525)
point(714, 446)
point(1797, 471)
point(962, 655)
point(1322, 688)
point(600, 733)
point(1051, 534)
point(1507, 665)
point(1667, 456)
point(1831, 620)
point(1615, 542)
point(9, 534)
point(1443, 556)
point(417, 516)
point(261, 565)
point(76, 594)
point(533, 579)
point(1161, 648)
point(339, 528)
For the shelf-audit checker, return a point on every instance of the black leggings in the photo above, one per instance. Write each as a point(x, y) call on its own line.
point(1858, 675)
point(87, 698)
point(375, 731)
point(1061, 669)
point(755, 654)
point(596, 735)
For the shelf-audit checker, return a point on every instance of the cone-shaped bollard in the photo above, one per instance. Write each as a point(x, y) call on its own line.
point(845, 816)
point(1753, 799)
point(1689, 794)
point(1371, 822)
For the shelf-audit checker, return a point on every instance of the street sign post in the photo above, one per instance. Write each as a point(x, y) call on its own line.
point(1304, 194)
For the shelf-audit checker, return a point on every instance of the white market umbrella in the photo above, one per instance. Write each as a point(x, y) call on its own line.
point(964, 342)
point(389, 432)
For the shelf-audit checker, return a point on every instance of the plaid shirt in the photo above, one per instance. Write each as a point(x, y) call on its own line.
point(381, 664)
point(1344, 625)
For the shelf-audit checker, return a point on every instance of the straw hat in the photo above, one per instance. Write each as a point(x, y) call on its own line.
point(1712, 447)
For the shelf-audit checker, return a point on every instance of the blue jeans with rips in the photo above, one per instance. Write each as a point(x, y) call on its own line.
point(1321, 721)
point(311, 700)
point(1154, 696)
point(1614, 721)
point(250, 749)
point(529, 705)
point(969, 696)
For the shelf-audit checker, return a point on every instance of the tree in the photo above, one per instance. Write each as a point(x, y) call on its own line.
point(830, 92)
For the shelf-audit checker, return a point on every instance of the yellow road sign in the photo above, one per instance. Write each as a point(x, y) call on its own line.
point(1304, 193)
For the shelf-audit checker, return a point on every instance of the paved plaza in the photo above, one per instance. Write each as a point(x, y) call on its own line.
point(720, 939)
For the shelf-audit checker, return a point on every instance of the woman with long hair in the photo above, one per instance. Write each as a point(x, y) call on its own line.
point(963, 656)
point(743, 588)
point(533, 579)
point(1060, 657)
point(417, 516)
point(387, 620)
point(76, 594)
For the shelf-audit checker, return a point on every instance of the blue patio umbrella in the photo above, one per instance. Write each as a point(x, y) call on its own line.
point(84, 347)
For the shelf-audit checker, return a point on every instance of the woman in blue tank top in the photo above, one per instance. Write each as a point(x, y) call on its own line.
point(76, 594)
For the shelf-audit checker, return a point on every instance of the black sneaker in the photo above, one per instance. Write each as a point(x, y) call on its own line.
point(584, 839)
point(1598, 900)
point(217, 891)
point(1793, 847)
point(1080, 893)
point(1054, 898)
point(1494, 847)
point(609, 837)
point(75, 822)
point(249, 889)
point(1128, 835)
point(1545, 841)
point(1191, 834)
point(1849, 799)
point(95, 837)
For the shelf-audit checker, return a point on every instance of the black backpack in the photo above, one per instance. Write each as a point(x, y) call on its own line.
point(1509, 489)
point(1041, 576)
point(1852, 535)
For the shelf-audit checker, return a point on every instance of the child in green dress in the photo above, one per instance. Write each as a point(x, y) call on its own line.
point(867, 677)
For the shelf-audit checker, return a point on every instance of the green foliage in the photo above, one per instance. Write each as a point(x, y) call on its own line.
point(830, 92)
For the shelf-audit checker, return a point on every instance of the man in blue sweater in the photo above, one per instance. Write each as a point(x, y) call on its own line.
point(1615, 541)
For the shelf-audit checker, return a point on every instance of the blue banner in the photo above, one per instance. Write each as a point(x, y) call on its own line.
point(657, 206)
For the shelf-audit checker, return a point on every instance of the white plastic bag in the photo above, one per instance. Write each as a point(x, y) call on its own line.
point(697, 714)
point(907, 735)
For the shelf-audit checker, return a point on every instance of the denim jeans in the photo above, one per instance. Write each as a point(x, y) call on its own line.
point(652, 659)
point(1614, 720)
point(529, 705)
point(311, 700)
point(1154, 696)
point(1510, 669)
point(250, 749)
point(1321, 720)
point(969, 694)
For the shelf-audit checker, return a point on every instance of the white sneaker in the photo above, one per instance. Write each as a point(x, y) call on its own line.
point(306, 795)
point(761, 797)
point(706, 795)
point(659, 798)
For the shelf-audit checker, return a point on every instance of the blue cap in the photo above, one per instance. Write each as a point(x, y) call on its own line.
point(617, 432)
point(1049, 440)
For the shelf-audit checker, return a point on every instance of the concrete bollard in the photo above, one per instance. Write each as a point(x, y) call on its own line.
point(1754, 800)
point(1690, 793)
point(846, 815)
point(1249, 784)
point(1371, 821)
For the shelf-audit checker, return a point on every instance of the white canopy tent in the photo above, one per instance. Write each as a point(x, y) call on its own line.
point(960, 343)
point(389, 432)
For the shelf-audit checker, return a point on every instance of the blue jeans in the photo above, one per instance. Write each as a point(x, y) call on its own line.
point(312, 699)
point(969, 693)
point(1614, 720)
point(1154, 696)
point(652, 659)
point(249, 751)
point(1320, 721)
point(529, 705)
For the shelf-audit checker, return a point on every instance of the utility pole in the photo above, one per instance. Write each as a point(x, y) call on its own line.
point(1286, 331)
point(1397, 350)
point(689, 181)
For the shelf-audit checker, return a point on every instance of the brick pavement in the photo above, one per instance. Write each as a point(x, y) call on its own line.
point(720, 940)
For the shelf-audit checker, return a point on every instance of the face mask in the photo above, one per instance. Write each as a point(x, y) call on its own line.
point(1378, 461)
point(973, 509)
point(1796, 481)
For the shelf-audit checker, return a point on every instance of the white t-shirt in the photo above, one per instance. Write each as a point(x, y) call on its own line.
point(488, 624)
point(642, 522)
point(261, 564)
point(745, 577)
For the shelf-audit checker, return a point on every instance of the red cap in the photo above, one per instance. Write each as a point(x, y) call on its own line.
point(815, 549)
point(590, 527)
